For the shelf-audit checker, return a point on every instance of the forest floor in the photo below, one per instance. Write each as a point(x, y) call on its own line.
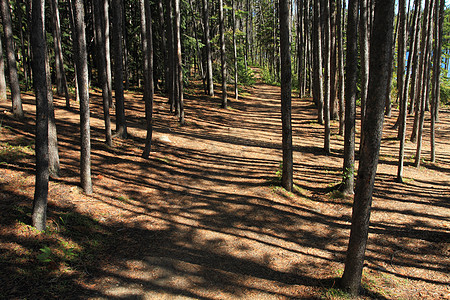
point(205, 218)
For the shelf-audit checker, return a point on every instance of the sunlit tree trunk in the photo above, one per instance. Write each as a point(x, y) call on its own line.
point(350, 98)
point(83, 85)
point(286, 87)
point(223, 60)
point(39, 48)
point(380, 48)
point(147, 50)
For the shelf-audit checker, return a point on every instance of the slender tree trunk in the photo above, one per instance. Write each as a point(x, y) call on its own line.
point(3, 96)
point(380, 48)
point(422, 72)
point(107, 45)
point(404, 98)
point(340, 52)
point(236, 92)
point(147, 49)
point(121, 124)
point(318, 75)
point(415, 59)
point(425, 84)
point(125, 51)
point(326, 57)
point(11, 59)
point(333, 61)
point(179, 71)
point(83, 84)
point(209, 72)
point(436, 76)
point(39, 48)
point(53, 153)
point(170, 55)
point(102, 61)
point(350, 98)
point(364, 54)
point(223, 60)
point(286, 87)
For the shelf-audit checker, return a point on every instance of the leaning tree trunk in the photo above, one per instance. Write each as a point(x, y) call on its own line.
point(11, 59)
point(286, 87)
point(380, 48)
point(364, 46)
point(39, 49)
point(83, 85)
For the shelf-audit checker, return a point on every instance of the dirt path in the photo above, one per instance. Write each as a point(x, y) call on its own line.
point(203, 218)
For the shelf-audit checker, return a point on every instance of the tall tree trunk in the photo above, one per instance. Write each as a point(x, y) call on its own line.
point(422, 71)
point(179, 63)
point(380, 48)
point(61, 81)
point(286, 87)
point(209, 71)
point(318, 75)
point(340, 55)
point(350, 98)
point(405, 94)
point(333, 61)
point(125, 49)
point(39, 49)
point(425, 84)
point(147, 50)
point(223, 60)
point(121, 124)
point(83, 85)
point(364, 54)
point(436, 76)
point(326, 57)
point(170, 55)
point(236, 92)
point(102, 61)
point(11, 59)
point(23, 46)
point(53, 153)
point(107, 45)
point(3, 96)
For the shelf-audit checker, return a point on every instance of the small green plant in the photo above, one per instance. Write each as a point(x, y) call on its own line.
point(334, 293)
point(279, 172)
point(46, 255)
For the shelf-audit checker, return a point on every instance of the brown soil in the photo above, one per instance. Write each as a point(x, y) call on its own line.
point(204, 217)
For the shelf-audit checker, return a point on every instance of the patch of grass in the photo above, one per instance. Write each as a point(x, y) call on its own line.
point(124, 199)
point(335, 293)
point(11, 154)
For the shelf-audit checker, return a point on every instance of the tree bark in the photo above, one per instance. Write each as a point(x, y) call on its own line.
point(364, 54)
point(83, 85)
point(121, 123)
point(223, 60)
point(147, 49)
point(350, 98)
point(286, 87)
point(380, 48)
point(11, 59)
point(39, 48)
point(318, 75)
point(102, 61)
point(327, 71)
point(209, 72)
point(179, 62)
point(235, 59)
point(3, 96)
point(340, 55)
